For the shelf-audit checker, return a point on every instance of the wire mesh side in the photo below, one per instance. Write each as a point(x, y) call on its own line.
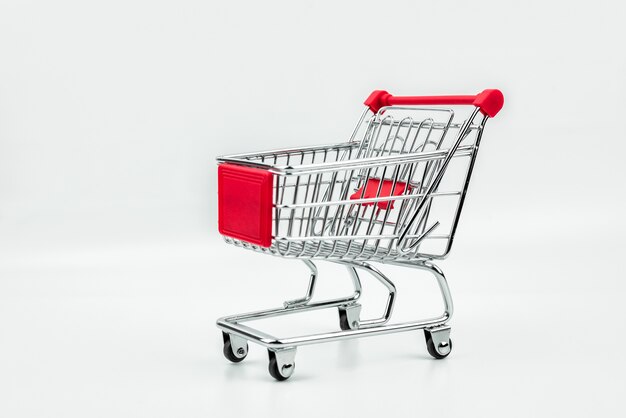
point(335, 214)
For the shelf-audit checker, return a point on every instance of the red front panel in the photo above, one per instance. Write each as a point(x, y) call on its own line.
point(245, 203)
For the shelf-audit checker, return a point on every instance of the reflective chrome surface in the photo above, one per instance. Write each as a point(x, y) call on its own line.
point(234, 325)
point(424, 152)
point(239, 346)
point(321, 212)
point(441, 339)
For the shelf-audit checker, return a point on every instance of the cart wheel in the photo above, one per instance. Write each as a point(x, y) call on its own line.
point(343, 320)
point(235, 348)
point(280, 373)
point(349, 317)
point(439, 351)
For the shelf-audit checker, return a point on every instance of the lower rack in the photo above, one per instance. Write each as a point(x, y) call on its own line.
point(282, 351)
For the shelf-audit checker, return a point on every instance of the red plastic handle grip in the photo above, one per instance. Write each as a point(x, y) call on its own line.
point(489, 101)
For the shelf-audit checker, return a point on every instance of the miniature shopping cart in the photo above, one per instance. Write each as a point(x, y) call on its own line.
point(392, 194)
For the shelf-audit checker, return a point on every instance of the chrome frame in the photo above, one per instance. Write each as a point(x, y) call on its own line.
point(360, 160)
point(234, 324)
point(355, 160)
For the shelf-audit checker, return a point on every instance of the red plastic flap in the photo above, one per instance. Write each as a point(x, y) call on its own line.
point(245, 203)
point(371, 188)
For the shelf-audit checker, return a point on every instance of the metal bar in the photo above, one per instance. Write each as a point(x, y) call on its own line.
point(268, 341)
point(310, 288)
point(345, 239)
point(363, 200)
point(402, 247)
point(378, 275)
point(468, 176)
point(354, 163)
point(285, 151)
point(232, 324)
point(301, 307)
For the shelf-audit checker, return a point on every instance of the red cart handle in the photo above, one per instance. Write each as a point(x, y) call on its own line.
point(489, 101)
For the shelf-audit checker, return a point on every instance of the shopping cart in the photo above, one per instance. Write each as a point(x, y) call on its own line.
point(392, 194)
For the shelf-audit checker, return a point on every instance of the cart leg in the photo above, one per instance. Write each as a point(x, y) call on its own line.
point(349, 314)
point(311, 288)
point(309, 292)
point(438, 342)
point(282, 362)
point(441, 281)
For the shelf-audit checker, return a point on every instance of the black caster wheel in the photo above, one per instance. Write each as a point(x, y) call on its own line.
point(343, 320)
point(277, 372)
point(231, 351)
point(349, 317)
point(442, 350)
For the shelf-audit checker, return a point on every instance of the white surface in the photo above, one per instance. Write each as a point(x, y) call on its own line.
point(130, 332)
point(111, 272)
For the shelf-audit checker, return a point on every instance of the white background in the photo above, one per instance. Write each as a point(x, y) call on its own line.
point(111, 269)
